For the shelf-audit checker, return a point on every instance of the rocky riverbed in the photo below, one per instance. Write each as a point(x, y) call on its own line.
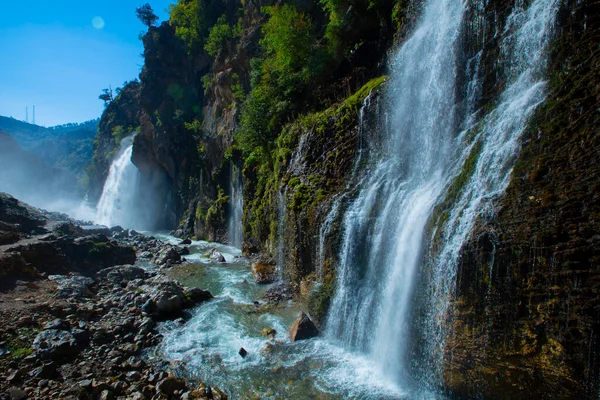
point(77, 319)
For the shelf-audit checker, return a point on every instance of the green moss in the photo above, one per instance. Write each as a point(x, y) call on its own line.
point(301, 198)
point(441, 213)
point(19, 343)
point(357, 98)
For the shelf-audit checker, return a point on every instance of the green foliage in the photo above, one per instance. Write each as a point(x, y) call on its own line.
point(288, 42)
point(301, 198)
point(119, 133)
point(193, 20)
point(219, 37)
point(261, 118)
point(215, 215)
point(207, 81)
point(236, 87)
point(195, 126)
point(146, 15)
point(189, 23)
point(320, 297)
point(106, 96)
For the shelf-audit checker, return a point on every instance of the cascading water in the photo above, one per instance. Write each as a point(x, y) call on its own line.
point(526, 36)
point(237, 207)
point(117, 205)
point(385, 226)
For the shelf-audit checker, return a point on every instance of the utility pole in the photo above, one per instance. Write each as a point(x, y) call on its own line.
point(26, 114)
point(34, 115)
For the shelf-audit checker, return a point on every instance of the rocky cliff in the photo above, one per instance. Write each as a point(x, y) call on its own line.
point(525, 314)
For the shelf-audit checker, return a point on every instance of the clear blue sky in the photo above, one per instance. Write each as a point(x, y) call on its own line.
point(59, 55)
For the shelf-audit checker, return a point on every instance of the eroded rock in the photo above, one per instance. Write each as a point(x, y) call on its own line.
point(303, 328)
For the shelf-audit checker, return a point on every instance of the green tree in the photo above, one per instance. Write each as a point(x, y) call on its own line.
point(219, 37)
point(146, 15)
point(288, 42)
point(106, 96)
point(193, 20)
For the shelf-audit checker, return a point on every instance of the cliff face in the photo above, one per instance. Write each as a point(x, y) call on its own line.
point(525, 313)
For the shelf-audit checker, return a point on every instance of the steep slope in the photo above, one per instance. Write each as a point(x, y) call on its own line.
point(525, 313)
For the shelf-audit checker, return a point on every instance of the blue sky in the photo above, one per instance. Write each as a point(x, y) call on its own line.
point(59, 55)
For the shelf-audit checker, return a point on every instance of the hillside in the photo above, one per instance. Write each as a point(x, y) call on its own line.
point(68, 146)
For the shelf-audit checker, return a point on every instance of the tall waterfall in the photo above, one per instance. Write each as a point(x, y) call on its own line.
point(431, 137)
point(117, 205)
point(237, 207)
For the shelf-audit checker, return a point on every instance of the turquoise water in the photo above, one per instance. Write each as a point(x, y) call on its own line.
point(207, 345)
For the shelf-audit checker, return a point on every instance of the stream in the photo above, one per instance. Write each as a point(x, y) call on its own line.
point(207, 345)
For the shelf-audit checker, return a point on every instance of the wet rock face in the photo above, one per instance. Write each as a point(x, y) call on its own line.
point(264, 272)
point(303, 328)
point(525, 321)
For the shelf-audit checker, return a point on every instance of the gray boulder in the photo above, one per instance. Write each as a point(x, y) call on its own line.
point(55, 344)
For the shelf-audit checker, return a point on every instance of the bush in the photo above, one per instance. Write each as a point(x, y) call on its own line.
point(219, 37)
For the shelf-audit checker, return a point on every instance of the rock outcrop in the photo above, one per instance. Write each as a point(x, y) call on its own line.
point(303, 328)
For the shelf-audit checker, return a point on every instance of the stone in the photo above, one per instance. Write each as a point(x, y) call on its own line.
point(106, 395)
point(243, 352)
point(16, 375)
point(55, 343)
point(75, 286)
point(168, 304)
point(264, 272)
point(46, 371)
point(170, 385)
point(133, 376)
point(217, 256)
point(186, 241)
point(116, 229)
point(57, 324)
point(17, 394)
point(197, 295)
point(303, 328)
point(122, 273)
point(171, 255)
point(269, 332)
point(96, 230)
point(85, 384)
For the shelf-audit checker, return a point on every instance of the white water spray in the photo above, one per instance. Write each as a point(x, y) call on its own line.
point(384, 228)
point(117, 205)
point(237, 208)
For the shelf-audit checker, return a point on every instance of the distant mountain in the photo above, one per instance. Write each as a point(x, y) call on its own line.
point(68, 146)
point(27, 177)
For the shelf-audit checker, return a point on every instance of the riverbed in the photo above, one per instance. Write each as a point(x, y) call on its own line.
point(207, 345)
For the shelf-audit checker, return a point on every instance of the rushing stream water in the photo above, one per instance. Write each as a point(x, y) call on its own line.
point(208, 344)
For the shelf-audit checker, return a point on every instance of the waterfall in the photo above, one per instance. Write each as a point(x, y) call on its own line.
point(526, 36)
point(117, 204)
point(237, 207)
point(385, 226)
